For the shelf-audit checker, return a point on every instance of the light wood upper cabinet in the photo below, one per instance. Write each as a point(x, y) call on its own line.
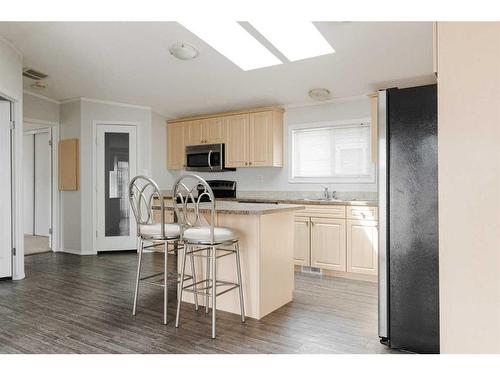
point(266, 139)
point(328, 246)
point(177, 138)
point(195, 130)
point(261, 139)
point(214, 130)
point(301, 253)
point(253, 138)
point(362, 247)
point(236, 130)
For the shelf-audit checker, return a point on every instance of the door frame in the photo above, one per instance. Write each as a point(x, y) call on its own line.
point(95, 124)
point(55, 212)
point(16, 183)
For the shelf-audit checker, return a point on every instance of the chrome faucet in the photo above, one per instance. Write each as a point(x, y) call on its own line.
point(325, 192)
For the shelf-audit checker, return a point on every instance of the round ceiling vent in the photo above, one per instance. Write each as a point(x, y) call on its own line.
point(183, 51)
point(319, 94)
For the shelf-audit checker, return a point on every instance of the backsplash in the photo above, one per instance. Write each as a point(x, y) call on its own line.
point(342, 195)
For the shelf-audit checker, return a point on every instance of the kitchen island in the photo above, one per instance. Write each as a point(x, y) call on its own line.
point(266, 235)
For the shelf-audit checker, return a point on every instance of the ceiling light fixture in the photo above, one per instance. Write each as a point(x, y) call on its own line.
point(234, 42)
point(183, 51)
point(319, 94)
point(297, 40)
point(40, 85)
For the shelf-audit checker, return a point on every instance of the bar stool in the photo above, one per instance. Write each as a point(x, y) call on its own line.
point(205, 241)
point(142, 191)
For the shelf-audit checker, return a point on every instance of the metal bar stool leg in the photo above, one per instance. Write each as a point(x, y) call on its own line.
point(165, 283)
point(136, 295)
point(181, 283)
point(240, 288)
point(195, 288)
point(214, 288)
point(207, 282)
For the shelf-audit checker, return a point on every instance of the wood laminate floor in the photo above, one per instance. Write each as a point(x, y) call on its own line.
point(82, 304)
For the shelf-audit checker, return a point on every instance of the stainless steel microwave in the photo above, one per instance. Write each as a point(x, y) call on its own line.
point(206, 158)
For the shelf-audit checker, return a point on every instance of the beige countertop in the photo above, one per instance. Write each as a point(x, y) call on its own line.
point(238, 208)
point(292, 201)
point(305, 201)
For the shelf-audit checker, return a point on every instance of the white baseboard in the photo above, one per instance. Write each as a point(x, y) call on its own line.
point(70, 251)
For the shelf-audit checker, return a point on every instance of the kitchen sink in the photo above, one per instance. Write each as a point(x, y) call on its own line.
point(319, 200)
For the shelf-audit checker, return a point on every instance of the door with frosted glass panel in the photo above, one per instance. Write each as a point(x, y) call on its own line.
point(116, 159)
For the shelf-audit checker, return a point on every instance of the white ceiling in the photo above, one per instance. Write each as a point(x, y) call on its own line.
point(129, 62)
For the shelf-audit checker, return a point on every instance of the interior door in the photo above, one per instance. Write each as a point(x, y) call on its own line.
point(5, 191)
point(116, 159)
point(29, 182)
point(42, 184)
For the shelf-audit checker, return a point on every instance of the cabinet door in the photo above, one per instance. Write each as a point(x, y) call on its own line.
point(236, 129)
point(176, 145)
point(301, 251)
point(261, 139)
point(362, 247)
point(195, 129)
point(214, 130)
point(328, 246)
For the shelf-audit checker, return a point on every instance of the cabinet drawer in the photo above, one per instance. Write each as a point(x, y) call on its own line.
point(362, 213)
point(333, 212)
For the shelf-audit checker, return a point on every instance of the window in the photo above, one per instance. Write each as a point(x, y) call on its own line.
point(332, 153)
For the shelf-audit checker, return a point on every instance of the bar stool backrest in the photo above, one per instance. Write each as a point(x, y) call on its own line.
point(141, 193)
point(188, 192)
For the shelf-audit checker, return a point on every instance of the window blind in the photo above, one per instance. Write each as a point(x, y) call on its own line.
point(336, 152)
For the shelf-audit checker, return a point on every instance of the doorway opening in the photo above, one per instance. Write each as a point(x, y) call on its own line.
point(38, 187)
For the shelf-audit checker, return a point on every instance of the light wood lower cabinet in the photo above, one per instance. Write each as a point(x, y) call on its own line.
point(328, 244)
point(335, 238)
point(169, 216)
point(301, 253)
point(362, 246)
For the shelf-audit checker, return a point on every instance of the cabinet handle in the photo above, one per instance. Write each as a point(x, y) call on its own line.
point(246, 163)
point(250, 163)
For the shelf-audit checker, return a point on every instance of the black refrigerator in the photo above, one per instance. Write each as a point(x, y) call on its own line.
point(408, 219)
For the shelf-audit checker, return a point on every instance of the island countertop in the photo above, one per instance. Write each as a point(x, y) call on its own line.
point(239, 208)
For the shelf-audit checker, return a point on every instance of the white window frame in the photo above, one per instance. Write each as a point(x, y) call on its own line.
point(326, 180)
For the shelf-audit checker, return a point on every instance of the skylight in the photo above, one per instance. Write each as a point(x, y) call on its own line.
point(296, 40)
point(234, 42)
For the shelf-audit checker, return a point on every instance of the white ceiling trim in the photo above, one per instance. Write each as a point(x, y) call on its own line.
point(323, 102)
point(108, 102)
point(41, 97)
point(11, 45)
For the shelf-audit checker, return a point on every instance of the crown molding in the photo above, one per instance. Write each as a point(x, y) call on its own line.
point(323, 102)
point(11, 45)
point(39, 96)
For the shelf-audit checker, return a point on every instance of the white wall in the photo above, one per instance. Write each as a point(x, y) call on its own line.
point(159, 151)
point(11, 86)
point(276, 179)
point(469, 186)
point(39, 108)
point(70, 209)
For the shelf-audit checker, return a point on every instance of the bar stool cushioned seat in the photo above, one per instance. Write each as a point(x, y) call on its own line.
point(202, 235)
point(171, 230)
